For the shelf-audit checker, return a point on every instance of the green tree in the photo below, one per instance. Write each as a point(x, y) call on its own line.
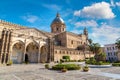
point(95, 48)
point(88, 48)
point(118, 44)
point(100, 57)
point(90, 41)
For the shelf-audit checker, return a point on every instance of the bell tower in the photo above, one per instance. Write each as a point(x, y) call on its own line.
point(85, 31)
point(58, 25)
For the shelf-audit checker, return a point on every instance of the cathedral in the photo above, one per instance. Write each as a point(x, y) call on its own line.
point(17, 42)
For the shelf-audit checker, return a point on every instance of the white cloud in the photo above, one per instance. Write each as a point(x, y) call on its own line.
point(90, 23)
point(30, 18)
point(77, 13)
point(100, 10)
point(52, 6)
point(76, 31)
point(105, 34)
point(112, 3)
point(118, 3)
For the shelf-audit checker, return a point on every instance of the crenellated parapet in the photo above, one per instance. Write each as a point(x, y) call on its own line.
point(9, 25)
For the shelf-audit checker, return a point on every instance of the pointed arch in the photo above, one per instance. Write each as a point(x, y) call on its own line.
point(32, 50)
point(17, 50)
point(43, 54)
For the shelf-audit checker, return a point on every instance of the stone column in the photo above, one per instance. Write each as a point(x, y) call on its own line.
point(9, 47)
point(6, 49)
point(24, 50)
point(3, 45)
point(51, 49)
point(39, 53)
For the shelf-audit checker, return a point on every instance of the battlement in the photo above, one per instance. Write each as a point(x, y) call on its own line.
point(7, 24)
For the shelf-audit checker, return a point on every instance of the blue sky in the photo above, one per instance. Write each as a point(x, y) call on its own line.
point(101, 17)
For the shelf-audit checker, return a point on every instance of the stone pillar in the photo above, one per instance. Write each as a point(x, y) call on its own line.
point(24, 51)
point(39, 53)
point(49, 53)
point(3, 45)
point(50, 49)
point(7, 46)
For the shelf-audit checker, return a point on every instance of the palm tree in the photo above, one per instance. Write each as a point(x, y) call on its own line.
point(118, 46)
point(95, 48)
point(101, 57)
point(90, 42)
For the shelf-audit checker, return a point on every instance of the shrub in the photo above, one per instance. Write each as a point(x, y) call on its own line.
point(94, 62)
point(66, 57)
point(86, 68)
point(73, 61)
point(61, 61)
point(115, 64)
point(81, 60)
point(67, 66)
point(67, 60)
point(47, 66)
point(9, 63)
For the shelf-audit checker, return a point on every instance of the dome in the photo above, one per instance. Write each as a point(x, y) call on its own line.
point(58, 19)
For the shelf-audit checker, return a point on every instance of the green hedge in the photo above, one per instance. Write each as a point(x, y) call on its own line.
point(115, 64)
point(67, 66)
point(94, 62)
point(66, 57)
point(67, 60)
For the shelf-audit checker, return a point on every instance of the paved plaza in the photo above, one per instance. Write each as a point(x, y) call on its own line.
point(38, 72)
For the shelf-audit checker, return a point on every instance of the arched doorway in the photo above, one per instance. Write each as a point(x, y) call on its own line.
point(32, 51)
point(43, 54)
point(17, 52)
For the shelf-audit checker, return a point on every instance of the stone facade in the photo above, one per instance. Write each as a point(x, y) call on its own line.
point(74, 54)
point(17, 41)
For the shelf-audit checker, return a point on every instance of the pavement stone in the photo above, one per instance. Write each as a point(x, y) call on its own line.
point(38, 72)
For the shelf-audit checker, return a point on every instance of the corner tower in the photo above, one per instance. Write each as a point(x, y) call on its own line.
point(58, 25)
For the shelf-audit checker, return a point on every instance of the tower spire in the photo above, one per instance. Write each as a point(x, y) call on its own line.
point(57, 15)
point(85, 31)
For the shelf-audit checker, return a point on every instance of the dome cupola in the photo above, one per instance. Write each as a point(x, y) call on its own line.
point(58, 24)
point(58, 19)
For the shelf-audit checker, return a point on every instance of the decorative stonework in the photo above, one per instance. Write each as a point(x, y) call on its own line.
point(9, 25)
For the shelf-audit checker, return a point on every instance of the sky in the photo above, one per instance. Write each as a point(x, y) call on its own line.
point(100, 17)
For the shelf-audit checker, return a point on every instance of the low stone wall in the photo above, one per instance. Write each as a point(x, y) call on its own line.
point(74, 54)
point(100, 66)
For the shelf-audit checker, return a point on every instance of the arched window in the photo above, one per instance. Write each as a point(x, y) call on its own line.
point(63, 29)
point(72, 42)
point(57, 29)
